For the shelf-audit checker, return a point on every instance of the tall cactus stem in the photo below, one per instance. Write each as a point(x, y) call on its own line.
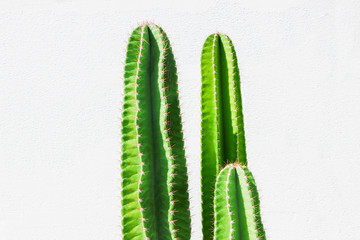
point(222, 127)
point(155, 201)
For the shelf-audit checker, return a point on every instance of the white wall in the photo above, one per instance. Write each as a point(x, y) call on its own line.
point(60, 94)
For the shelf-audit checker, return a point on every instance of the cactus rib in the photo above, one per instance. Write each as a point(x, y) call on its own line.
point(222, 128)
point(237, 211)
point(154, 174)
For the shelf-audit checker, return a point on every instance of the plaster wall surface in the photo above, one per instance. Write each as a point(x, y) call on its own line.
point(60, 94)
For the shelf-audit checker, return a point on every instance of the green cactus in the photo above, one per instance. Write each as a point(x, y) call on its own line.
point(155, 199)
point(232, 210)
point(222, 128)
point(236, 203)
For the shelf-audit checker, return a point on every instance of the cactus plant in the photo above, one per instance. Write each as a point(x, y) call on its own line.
point(232, 210)
point(155, 199)
point(236, 203)
point(222, 128)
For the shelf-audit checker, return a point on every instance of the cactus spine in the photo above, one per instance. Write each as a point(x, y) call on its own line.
point(237, 212)
point(155, 199)
point(222, 128)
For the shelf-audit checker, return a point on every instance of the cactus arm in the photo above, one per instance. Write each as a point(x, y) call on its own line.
point(237, 212)
point(222, 119)
point(154, 175)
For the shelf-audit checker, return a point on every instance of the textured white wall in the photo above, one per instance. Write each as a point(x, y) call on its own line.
point(60, 86)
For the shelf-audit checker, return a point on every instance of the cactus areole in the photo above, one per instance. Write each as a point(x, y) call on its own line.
point(155, 199)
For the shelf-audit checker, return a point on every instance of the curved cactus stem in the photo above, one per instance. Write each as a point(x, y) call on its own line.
point(155, 201)
point(222, 127)
point(237, 211)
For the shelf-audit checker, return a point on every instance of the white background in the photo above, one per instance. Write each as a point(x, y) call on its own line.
point(60, 95)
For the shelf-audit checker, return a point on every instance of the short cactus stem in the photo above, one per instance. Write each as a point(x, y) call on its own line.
point(155, 200)
point(222, 125)
point(236, 203)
